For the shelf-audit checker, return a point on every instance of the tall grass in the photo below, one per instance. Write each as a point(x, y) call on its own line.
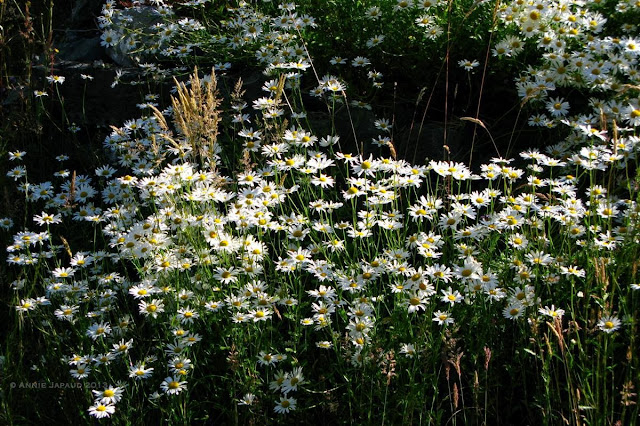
point(236, 260)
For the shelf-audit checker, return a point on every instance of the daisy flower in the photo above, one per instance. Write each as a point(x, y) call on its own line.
point(122, 346)
point(609, 324)
point(16, 173)
point(513, 311)
point(260, 314)
point(292, 380)
point(227, 275)
point(558, 107)
point(338, 60)
point(110, 395)
point(26, 305)
point(17, 155)
point(373, 13)
point(324, 344)
point(247, 399)
point(551, 311)
point(81, 260)
point(6, 223)
point(187, 315)
point(142, 290)
point(408, 350)
point(285, 405)
point(104, 358)
point(47, 219)
point(323, 181)
point(173, 385)
point(278, 380)
point(66, 312)
point(55, 79)
point(360, 61)
point(572, 270)
point(153, 308)
point(442, 318)
point(383, 124)
point(109, 38)
point(139, 372)
point(374, 41)
point(98, 330)
point(180, 365)
point(403, 5)
point(450, 296)
point(265, 358)
point(81, 371)
point(417, 302)
point(100, 410)
point(63, 272)
point(213, 306)
point(632, 114)
point(468, 65)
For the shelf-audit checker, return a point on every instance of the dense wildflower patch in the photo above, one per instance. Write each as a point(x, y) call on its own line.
point(236, 250)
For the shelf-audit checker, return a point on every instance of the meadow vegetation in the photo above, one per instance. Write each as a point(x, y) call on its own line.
point(245, 256)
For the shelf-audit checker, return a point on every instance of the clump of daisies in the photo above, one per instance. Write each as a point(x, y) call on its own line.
point(273, 251)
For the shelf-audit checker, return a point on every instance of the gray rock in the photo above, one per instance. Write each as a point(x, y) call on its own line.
point(77, 49)
point(141, 19)
point(81, 40)
point(84, 14)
